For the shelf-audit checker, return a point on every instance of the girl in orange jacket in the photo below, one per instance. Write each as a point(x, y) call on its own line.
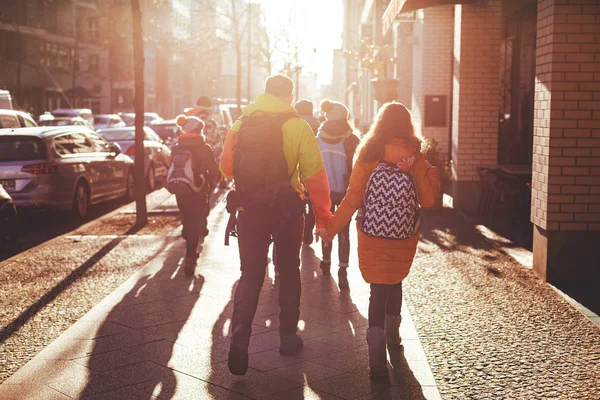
point(383, 262)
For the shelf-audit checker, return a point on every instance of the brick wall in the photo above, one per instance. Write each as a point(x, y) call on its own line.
point(436, 43)
point(566, 153)
point(477, 32)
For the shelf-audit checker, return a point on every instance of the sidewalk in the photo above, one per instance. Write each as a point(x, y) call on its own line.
point(161, 335)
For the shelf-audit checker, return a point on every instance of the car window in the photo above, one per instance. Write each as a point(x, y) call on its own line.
point(9, 121)
point(81, 144)
point(21, 148)
point(166, 131)
point(151, 135)
point(29, 123)
point(100, 145)
point(63, 144)
point(116, 135)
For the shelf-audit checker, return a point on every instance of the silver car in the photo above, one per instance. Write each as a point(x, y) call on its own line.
point(157, 155)
point(65, 168)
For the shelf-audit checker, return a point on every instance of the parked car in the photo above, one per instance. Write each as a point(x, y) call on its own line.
point(5, 100)
point(167, 130)
point(84, 113)
point(104, 121)
point(8, 220)
point(129, 118)
point(62, 168)
point(15, 119)
point(157, 155)
point(77, 121)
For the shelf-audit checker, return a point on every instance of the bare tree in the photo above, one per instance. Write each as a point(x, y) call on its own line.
point(138, 61)
point(234, 15)
point(267, 46)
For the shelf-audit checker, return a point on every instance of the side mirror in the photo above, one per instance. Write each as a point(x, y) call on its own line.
point(115, 148)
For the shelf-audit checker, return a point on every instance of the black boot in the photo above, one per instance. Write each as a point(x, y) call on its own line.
point(392, 331)
point(343, 278)
point(326, 268)
point(238, 359)
point(377, 354)
point(290, 343)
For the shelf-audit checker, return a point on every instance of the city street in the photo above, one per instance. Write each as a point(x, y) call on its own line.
point(473, 324)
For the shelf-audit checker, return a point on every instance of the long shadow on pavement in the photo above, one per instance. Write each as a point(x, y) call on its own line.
point(136, 357)
point(334, 361)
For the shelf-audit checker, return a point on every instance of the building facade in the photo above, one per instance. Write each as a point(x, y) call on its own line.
point(502, 83)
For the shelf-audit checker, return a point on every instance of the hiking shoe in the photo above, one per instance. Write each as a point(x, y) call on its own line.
point(290, 344)
point(343, 278)
point(326, 268)
point(237, 361)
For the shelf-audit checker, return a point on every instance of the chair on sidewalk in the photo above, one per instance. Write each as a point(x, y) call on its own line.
point(499, 188)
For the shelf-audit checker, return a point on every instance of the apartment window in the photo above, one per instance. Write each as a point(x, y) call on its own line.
point(92, 28)
point(93, 63)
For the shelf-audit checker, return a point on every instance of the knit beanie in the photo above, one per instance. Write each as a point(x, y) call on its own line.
point(190, 124)
point(334, 111)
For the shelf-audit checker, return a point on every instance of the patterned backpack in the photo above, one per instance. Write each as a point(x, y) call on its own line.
point(390, 207)
point(181, 179)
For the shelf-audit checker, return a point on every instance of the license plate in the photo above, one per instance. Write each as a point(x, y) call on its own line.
point(8, 185)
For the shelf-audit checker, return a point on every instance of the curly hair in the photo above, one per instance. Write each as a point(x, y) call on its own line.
point(393, 121)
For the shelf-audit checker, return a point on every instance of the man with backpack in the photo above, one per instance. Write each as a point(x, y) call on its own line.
point(338, 143)
point(192, 174)
point(266, 152)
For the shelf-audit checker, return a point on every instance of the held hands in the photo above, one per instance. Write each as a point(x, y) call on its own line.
point(322, 233)
point(406, 163)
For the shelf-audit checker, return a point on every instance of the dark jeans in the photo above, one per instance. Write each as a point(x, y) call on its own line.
point(255, 228)
point(194, 213)
point(385, 300)
point(343, 237)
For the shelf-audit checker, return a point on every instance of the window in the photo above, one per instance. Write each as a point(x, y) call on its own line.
point(21, 148)
point(100, 145)
point(150, 135)
point(93, 63)
point(63, 145)
point(9, 121)
point(92, 29)
point(81, 144)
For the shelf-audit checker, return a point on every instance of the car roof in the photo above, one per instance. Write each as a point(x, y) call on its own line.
point(44, 131)
point(80, 110)
point(164, 122)
point(14, 112)
point(105, 115)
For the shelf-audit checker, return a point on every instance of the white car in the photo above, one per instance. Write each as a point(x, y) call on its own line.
point(16, 119)
point(105, 121)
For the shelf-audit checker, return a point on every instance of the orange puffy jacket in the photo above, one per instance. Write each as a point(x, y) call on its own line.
point(385, 261)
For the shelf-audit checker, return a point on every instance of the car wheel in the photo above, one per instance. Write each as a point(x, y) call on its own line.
point(8, 227)
point(151, 179)
point(130, 186)
point(81, 202)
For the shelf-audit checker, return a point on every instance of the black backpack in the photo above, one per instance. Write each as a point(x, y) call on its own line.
point(260, 166)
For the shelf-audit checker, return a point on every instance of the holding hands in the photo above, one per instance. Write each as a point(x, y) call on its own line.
point(325, 237)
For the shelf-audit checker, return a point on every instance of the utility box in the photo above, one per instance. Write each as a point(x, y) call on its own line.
point(436, 111)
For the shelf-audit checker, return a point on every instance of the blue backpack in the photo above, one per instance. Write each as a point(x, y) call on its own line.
point(336, 165)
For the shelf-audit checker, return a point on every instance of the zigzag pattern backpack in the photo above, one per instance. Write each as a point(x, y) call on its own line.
point(390, 207)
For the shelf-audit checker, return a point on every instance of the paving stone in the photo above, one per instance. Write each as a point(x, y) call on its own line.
point(303, 393)
point(140, 372)
point(183, 387)
point(109, 360)
point(305, 372)
point(21, 392)
point(346, 386)
point(269, 359)
point(124, 393)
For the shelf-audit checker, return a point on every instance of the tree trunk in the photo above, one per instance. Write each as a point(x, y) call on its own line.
point(138, 62)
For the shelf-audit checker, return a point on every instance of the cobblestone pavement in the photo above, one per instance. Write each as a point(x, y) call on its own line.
point(46, 289)
point(162, 335)
point(490, 328)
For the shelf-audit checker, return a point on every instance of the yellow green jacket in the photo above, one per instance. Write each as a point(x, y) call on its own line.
point(301, 151)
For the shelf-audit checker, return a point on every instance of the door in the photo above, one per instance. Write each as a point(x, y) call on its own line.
point(116, 169)
point(97, 169)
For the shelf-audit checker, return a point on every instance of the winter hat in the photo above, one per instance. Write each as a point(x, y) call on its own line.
point(190, 124)
point(334, 111)
point(304, 107)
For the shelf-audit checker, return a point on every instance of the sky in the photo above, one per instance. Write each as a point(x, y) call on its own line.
point(317, 26)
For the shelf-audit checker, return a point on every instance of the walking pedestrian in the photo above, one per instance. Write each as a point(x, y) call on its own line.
point(338, 143)
point(266, 152)
point(194, 205)
point(304, 108)
point(388, 181)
